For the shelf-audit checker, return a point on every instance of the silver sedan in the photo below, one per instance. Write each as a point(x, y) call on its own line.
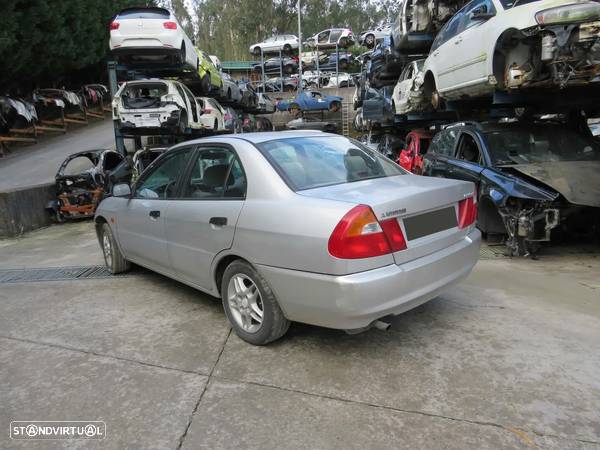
point(293, 226)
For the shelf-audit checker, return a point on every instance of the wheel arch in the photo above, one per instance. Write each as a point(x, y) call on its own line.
point(221, 264)
point(498, 60)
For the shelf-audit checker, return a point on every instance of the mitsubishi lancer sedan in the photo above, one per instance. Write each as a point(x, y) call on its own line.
point(293, 226)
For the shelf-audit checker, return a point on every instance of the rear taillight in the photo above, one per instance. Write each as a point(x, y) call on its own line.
point(227, 117)
point(206, 111)
point(114, 25)
point(467, 212)
point(170, 25)
point(360, 235)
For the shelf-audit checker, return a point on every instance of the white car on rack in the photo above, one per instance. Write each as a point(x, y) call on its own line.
point(370, 37)
point(212, 114)
point(342, 37)
point(284, 42)
point(230, 92)
point(408, 92)
point(507, 45)
point(154, 106)
point(151, 34)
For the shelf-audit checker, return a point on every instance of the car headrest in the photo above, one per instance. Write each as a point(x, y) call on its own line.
point(295, 172)
point(214, 176)
point(356, 166)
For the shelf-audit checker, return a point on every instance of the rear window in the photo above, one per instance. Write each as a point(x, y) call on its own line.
point(311, 162)
point(144, 13)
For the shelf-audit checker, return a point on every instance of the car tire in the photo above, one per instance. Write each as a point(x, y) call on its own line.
point(370, 41)
point(216, 125)
point(205, 84)
point(256, 51)
point(335, 106)
point(250, 305)
point(287, 49)
point(229, 94)
point(183, 123)
point(113, 258)
point(289, 69)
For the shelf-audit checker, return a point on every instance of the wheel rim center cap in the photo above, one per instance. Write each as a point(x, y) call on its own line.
point(245, 302)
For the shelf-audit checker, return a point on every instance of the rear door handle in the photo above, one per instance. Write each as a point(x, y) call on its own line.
point(218, 221)
point(154, 214)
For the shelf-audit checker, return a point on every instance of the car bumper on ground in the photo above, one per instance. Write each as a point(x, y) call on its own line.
point(355, 301)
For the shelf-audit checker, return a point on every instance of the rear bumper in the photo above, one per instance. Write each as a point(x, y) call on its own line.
point(355, 301)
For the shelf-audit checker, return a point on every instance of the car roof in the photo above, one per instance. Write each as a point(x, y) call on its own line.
point(258, 138)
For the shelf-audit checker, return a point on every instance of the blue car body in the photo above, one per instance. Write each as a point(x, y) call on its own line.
point(309, 101)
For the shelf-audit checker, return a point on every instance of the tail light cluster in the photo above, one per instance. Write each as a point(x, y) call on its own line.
point(467, 212)
point(206, 111)
point(170, 25)
point(114, 25)
point(360, 235)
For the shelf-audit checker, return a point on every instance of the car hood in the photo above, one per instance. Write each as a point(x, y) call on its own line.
point(577, 181)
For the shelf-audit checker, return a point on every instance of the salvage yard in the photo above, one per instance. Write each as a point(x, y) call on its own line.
point(496, 362)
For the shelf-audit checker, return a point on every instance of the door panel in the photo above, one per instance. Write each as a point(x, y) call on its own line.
point(202, 222)
point(470, 56)
point(141, 225)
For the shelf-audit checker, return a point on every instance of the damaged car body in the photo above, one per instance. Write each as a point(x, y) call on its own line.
point(492, 46)
point(536, 182)
point(83, 180)
point(152, 107)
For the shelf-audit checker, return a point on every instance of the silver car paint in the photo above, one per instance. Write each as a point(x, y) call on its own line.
point(285, 235)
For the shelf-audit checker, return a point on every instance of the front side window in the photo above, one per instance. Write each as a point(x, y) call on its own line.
point(216, 173)
point(311, 162)
point(161, 181)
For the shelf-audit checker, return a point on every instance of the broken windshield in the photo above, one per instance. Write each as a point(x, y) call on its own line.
point(539, 144)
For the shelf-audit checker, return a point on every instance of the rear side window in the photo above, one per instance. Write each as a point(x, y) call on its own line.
point(144, 13)
point(311, 162)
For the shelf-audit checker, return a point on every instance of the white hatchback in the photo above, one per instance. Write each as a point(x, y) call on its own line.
point(149, 34)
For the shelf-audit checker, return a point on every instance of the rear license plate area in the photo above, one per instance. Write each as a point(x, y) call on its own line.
point(430, 223)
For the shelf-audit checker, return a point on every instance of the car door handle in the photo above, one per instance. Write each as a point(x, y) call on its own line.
point(218, 221)
point(154, 214)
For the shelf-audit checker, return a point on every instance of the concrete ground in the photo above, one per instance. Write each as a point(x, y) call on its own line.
point(37, 164)
point(507, 359)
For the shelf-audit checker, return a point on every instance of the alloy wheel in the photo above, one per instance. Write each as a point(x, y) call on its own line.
point(245, 303)
point(107, 249)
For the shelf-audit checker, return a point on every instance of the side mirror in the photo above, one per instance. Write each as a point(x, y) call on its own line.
point(481, 14)
point(121, 190)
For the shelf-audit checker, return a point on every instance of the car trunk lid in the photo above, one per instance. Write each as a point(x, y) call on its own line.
point(426, 208)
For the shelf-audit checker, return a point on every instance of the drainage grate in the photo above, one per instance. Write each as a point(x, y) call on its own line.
point(55, 274)
point(493, 252)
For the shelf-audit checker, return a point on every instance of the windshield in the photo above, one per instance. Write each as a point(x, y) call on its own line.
point(310, 162)
point(540, 144)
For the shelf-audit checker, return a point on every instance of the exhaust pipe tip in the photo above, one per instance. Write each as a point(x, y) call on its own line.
point(381, 325)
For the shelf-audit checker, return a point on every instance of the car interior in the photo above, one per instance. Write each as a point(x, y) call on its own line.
point(468, 149)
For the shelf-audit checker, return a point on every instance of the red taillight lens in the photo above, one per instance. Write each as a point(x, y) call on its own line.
point(360, 235)
point(114, 25)
point(393, 232)
point(170, 25)
point(206, 111)
point(227, 117)
point(467, 212)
